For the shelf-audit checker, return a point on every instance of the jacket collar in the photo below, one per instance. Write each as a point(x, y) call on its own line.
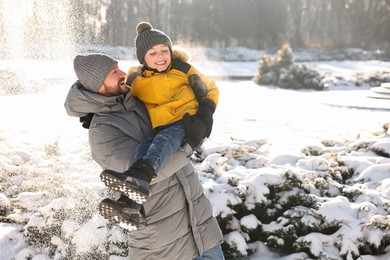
point(148, 72)
point(81, 102)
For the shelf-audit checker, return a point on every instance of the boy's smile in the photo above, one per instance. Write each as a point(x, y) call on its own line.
point(158, 57)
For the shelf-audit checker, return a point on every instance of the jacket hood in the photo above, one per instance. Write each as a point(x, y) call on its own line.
point(181, 54)
point(80, 102)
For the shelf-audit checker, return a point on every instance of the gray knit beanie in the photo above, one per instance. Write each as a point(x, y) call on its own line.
point(92, 69)
point(147, 38)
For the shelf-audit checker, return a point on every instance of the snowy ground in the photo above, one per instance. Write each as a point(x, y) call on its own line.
point(38, 138)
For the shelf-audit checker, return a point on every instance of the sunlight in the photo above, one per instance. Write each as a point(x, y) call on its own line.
point(42, 29)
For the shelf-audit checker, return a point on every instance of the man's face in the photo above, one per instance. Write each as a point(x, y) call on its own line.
point(114, 84)
point(158, 57)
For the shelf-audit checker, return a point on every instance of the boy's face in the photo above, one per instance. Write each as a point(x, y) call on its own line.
point(158, 57)
point(114, 84)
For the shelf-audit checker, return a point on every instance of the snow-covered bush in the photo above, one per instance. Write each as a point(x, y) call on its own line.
point(71, 228)
point(357, 79)
point(328, 202)
point(323, 206)
point(4, 205)
point(57, 214)
point(280, 70)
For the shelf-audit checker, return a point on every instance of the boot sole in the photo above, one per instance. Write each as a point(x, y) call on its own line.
point(125, 185)
point(110, 211)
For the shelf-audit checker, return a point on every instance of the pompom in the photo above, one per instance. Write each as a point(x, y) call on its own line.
point(142, 26)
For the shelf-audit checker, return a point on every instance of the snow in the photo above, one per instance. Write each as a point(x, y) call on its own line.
point(261, 135)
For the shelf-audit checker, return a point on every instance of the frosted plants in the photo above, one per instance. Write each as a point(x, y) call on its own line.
point(285, 71)
point(281, 187)
point(280, 70)
point(326, 203)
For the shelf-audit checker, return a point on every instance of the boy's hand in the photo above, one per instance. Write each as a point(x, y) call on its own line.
point(205, 113)
point(132, 73)
point(194, 130)
point(198, 86)
point(131, 77)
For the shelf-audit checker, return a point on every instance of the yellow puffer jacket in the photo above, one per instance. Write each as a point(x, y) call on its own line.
point(168, 95)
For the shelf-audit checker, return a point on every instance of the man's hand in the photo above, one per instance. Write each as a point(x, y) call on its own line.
point(86, 120)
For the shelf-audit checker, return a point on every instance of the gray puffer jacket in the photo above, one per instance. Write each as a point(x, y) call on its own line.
point(179, 219)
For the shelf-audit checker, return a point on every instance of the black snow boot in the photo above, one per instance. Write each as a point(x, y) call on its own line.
point(124, 212)
point(134, 182)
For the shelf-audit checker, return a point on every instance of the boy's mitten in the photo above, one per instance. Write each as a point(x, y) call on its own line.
point(205, 113)
point(198, 86)
point(194, 130)
point(130, 78)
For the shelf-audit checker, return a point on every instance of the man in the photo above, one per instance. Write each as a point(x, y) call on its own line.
point(176, 221)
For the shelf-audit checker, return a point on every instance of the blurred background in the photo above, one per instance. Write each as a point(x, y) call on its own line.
point(310, 149)
point(255, 24)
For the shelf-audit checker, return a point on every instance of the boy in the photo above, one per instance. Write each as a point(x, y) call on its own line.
point(172, 92)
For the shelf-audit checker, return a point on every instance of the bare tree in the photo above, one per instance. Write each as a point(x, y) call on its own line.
point(328, 24)
point(297, 9)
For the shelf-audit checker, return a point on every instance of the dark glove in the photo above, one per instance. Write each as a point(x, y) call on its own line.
point(86, 120)
point(194, 130)
point(133, 72)
point(198, 86)
point(131, 77)
point(205, 113)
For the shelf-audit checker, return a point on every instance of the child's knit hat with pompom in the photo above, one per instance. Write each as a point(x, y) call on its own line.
point(147, 38)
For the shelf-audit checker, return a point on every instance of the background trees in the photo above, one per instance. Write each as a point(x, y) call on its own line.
point(257, 24)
